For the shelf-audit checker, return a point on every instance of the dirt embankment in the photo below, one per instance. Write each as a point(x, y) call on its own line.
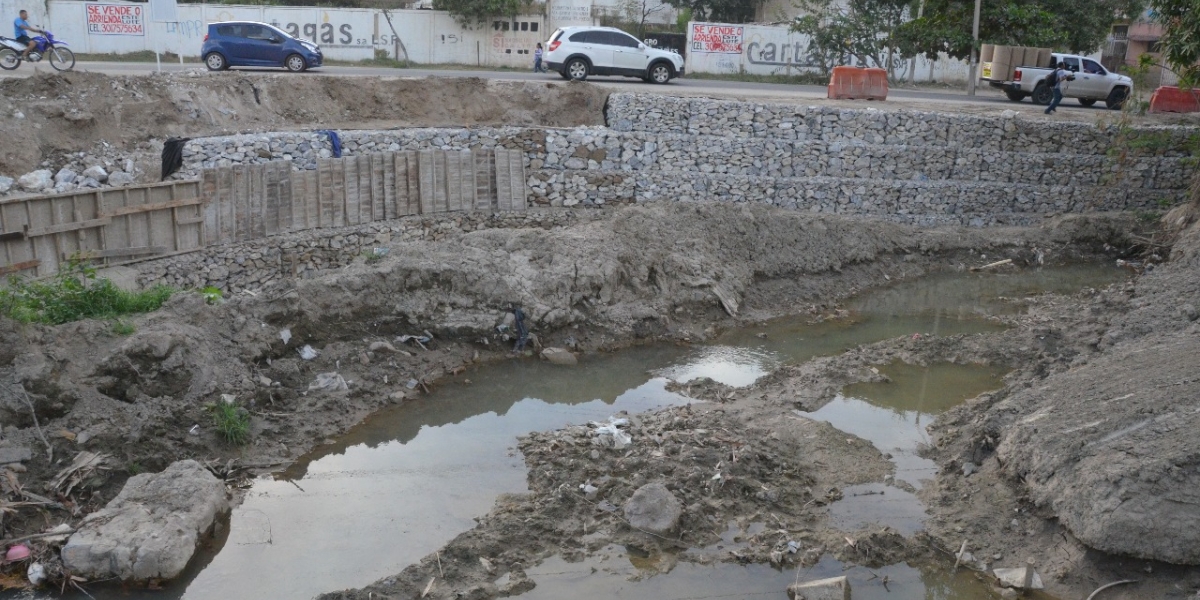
point(127, 117)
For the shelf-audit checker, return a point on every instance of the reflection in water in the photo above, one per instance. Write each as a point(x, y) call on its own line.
point(410, 478)
point(893, 416)
point(615, 574)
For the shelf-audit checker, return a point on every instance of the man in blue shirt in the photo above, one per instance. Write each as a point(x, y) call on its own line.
point(21, 29)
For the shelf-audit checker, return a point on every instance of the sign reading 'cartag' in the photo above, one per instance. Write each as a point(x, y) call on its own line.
point(116, 19)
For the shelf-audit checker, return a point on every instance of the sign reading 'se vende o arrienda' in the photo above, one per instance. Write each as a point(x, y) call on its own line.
point(116, 19)
point(717, 39)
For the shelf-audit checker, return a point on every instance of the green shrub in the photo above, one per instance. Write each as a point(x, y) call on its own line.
point(123, 328)
point(75, 293)
point(232, 422)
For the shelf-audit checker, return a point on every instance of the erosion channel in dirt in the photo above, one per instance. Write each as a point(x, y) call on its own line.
point(405, 482)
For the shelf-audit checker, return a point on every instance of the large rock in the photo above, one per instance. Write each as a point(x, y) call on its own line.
point(151, 529)
point(653, 508)
point(6, 184)
point(559, 356)
point(121, 178)
point(96, 172)
point(36, 181)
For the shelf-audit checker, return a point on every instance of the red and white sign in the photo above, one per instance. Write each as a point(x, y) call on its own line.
point(717, 39)
point(116, 19)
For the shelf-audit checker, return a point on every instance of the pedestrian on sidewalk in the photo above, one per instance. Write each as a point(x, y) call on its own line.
point(537, 59)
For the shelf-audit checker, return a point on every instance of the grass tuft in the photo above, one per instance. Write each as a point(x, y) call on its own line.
point(232, 422)
point(74, 293)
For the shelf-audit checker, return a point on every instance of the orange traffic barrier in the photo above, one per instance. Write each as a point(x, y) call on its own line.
point(857, 83)
point(1172, 99)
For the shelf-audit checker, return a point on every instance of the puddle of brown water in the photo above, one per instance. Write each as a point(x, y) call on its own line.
point(409, 479)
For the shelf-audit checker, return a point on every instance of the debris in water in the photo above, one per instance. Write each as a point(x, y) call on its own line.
point(36, 573)
point(307, 352)
point(285, 334)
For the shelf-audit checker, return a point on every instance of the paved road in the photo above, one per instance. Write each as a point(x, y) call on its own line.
point(684, 86)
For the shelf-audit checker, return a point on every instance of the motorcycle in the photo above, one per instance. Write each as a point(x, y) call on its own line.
point(45, 46)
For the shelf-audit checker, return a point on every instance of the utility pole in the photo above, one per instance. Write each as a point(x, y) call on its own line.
point(974, 50)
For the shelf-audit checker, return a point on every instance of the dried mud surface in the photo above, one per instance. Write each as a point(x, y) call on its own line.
point(104, 115)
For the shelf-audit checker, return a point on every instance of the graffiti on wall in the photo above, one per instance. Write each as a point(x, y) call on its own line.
point(716, 39)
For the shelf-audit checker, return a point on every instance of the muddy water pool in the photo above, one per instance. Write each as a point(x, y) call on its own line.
point(409, 479)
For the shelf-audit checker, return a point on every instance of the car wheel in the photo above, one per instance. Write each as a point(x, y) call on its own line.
point(1116, 98)
point(660, 73)
point(295, 63)
point(563, 73)
point(1015, 96)
point(576, 69)
point(1042, 94)
point(1087, 101)
point(215, 62)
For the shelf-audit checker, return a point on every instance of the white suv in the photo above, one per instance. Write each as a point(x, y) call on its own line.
point(576, 52)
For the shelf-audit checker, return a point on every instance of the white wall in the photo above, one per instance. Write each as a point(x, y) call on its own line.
point(343, 34)
point(777, 50)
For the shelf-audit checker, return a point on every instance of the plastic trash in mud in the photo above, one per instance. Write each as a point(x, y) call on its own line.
point(285, 334)
point(380, 252)
point(36, 573)
point(419, 340)
point(610, 435)
point(328, 382)
point(16, 553)
point(589, 490)
point(307, 352)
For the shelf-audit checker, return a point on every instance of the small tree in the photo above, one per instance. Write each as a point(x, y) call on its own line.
point(637, 12)
point(1181, 38)
point(720, 11)
point(859, 31)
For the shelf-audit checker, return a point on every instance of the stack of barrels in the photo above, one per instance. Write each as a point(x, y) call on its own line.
point(999, 62)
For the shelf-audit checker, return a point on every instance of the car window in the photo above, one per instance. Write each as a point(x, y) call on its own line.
point(1072, 63)
point(1092, 67)
point(228, 30)
point(256, 32)
point(583, 37)
point(557, 33)
point(623, 39)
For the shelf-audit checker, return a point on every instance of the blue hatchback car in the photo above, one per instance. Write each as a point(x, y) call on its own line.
point(249, 44)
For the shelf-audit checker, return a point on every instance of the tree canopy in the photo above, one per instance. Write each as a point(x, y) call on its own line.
point(1181, 37)
point(1068, 25)
point(474, 12)
point(720, 11)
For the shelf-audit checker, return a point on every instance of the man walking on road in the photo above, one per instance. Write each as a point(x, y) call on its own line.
point(1059, 77)
point(21, 29)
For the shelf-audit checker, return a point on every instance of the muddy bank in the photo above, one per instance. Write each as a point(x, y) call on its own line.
point(1097, 406)
point(85, 119)
point(141, 399)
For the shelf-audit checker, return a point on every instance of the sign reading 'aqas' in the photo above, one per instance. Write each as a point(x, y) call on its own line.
point(116, 19)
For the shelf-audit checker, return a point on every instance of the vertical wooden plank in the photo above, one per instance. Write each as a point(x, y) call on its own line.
point(326, 211)
point(228, 184)
point(366, 196)
point(380, 167)
point(211, 206)
point(516, 166)
point(285, 217)
point(427, 181)
point(467, 160)
point(312, 199)
point(453, 181)
point(15, 220)
point(485, 197)
point(388, 191)
point(160, 224)
point(503, 185)
point(271, 199)
point(414, 182)
point(349, 170)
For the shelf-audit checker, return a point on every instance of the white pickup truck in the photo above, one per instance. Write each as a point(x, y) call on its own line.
point(1092, 83)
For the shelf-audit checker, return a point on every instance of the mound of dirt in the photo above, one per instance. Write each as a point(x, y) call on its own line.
point(105, 116)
